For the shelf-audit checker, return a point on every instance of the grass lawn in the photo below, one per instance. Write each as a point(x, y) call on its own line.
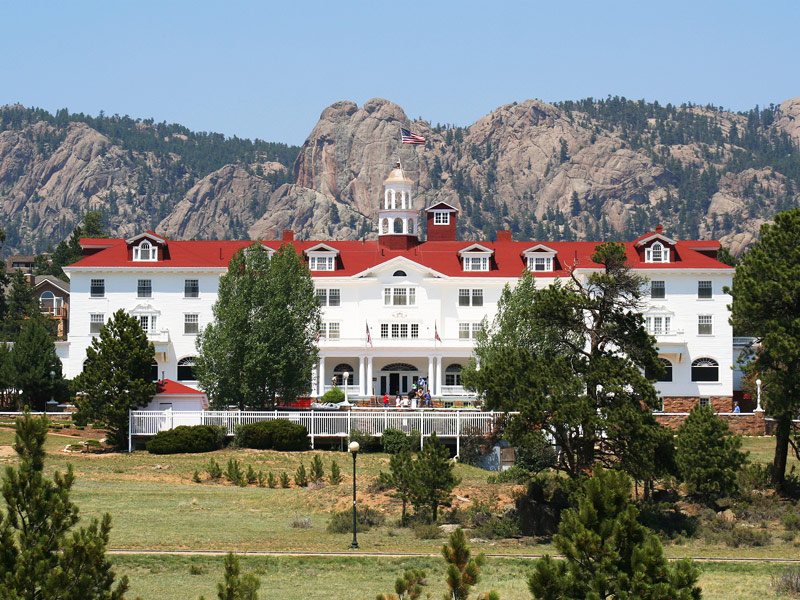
point(363, 578)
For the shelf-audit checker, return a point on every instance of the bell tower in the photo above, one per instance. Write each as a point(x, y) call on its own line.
point(398, 221)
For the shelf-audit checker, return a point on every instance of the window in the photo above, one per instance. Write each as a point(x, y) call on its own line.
point(414, 330)
point(144, 289)
point(452, 375)
point(705, 325)
point(321, 263)
point(384, 330)
point(191, 323)
point(540, 263)
point(399, 330)
point(49, 303)
point(186, 369)
point(657, 289)
point(704, 401)
point(191, 288)
point(476, 263)
point(704, 289)
point(658, 324)
point(145, 251)
point(97, 288)
point(705, 369)
point(400, 296)
point(400, 273)
point(656, 253)
point(154, 370)
point(338, 374)
point(468, 297)
point(148, 322)
point(96, 322)
point(330, 331)
point(329, 297)
point(463, 331)
point(441, 218)
point(667, 376)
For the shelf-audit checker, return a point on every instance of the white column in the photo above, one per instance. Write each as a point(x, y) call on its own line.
point(321, 376)
point(368, 390)
point(439, 375)
point(361, 387)
point(429, 376)
point(314, 380)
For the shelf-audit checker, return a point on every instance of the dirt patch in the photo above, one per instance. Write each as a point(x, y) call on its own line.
point(7, 451)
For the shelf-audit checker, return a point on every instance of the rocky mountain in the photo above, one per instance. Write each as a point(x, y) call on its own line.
point(593, 169)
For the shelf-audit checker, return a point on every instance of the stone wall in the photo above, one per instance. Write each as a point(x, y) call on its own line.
point(683, 404)
point(743, 423)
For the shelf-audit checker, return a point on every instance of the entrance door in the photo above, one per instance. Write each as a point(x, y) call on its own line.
point(394, 383)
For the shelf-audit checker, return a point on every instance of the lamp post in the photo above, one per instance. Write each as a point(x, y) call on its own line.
point(354, 447)
point(345, 377)
point(52, 401)
point(758, 396)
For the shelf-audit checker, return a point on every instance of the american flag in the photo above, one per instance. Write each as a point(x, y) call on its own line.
point(369, 335)
point(411, 138)
point(436, 333)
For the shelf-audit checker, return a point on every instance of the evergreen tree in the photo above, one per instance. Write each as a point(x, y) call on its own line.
point(766, 297)
point(407, 587)
point(571, 359)
point(433, 478)
point(3, 279)
point(40, 557)
point(463, 571)
point(708, 455)
point(262, 344)
point(236, 586)
point(117, 376)
point(608, 554)
point(29, 364)
point(21, 304)
point(399, 478)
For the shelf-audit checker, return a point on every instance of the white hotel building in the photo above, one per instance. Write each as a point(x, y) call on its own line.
point(421, 302)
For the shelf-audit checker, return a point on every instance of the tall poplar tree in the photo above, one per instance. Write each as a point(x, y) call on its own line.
point(261, 346)
point(766, 304)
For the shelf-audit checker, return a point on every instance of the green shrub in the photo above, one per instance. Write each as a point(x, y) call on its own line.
point(474, 444)
point(791, 520)
point(251, 475)
point(300, 476)
point(415, 438)
point(499, 527)
point(284, 480)
point(261, 478)
point(365, 440)
point(272, 481)
point(196, 476)
point(94, 444)
point(317, 470)
point(196, 570)
point(234, 473)
point(394, 441)
point(787, 582)
point(336, 473)
point(427, 531)
point(754, 477)
point(722, 532)
point(214, 470)
point(333, 396)
point(278, 434)
point(366, 519)
point(187, 439)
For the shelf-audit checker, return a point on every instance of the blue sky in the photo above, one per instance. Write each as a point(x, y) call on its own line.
point(263, 69)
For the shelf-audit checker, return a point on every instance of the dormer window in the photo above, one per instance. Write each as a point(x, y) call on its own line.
point(441, 218)
point(476, 263)
point(145, 251)
point(540, 263)
point(656, 253)
point(321, 263)
point(540, 258)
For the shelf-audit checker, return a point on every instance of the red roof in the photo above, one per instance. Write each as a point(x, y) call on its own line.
point(357, 256)
point(167, 387)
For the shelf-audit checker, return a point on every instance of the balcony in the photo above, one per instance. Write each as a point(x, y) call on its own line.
point(160, 340)
point(54, 312)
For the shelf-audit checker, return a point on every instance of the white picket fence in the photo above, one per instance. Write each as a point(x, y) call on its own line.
point(327, 424)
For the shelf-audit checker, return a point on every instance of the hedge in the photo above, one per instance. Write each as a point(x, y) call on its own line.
point(188, 439)
point(279, 434)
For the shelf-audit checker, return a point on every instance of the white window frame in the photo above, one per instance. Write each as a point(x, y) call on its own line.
point(476, 261)
point(324, 261)
point(191, 321)
point(656, 253)
point(148, 321)
point(658, 324)
point(704, 286)
point(705, 324)
point(470, 297)
point(145, 251)
point(142, 286)
point(535, 261)
point(95, 283)
point(662, 287)
point(187, 293)
point(441, 217)
point(96, 322)
point(400, 296)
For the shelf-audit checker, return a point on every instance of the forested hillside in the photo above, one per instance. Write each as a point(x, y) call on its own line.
point(588, 169)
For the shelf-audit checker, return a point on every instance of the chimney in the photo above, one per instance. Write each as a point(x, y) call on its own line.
point(659, 229)
point(503, 235)
point(288, 235)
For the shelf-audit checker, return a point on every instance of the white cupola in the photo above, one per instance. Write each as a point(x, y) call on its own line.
point(397, 216)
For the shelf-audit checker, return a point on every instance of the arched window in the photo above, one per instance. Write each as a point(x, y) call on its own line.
point(47, 301)
point(154, 371)
point(398, 225)
point(145, 251)
point(384, 225)
point(667, 371)
point(705, 369)
point(400, 367)
point(411, 226)
point(339, 371)
point(186, 369)
point(452, 375)
point(400, 273)
point(656, 253)
point(85, 364)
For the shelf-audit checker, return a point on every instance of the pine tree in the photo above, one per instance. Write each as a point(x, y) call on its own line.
point(463, 571)
point(30, 363)
point(39, 556)
point(608, 553)
point(708, 455)
point(237, 586)
point(317, 470)
point(399, 478)
point(117, 376)
point(433, 478)
point(407, 587)
point(21, 304)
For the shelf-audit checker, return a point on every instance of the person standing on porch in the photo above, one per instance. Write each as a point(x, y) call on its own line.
point(386, 400)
